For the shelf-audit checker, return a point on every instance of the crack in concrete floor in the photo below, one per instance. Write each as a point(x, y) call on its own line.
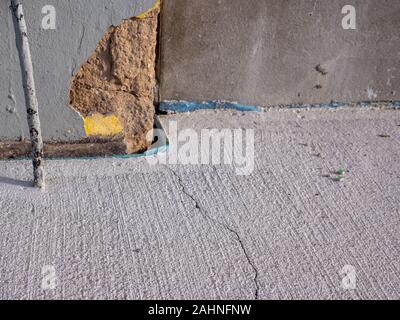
point(298, 227)
point(226, 227)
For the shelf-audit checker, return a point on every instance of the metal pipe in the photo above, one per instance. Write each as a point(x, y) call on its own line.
point(31, 102)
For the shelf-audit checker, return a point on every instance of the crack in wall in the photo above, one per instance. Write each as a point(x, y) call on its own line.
point(118, 80)
point(226, 227)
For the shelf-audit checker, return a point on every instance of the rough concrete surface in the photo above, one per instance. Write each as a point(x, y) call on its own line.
point(127, 230)
point(270, 52)
point(57, 55)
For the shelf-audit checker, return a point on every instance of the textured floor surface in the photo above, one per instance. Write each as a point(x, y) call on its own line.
point(127, 229)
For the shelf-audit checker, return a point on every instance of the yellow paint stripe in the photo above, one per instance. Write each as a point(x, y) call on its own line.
point(103, 126)
point(145, 14)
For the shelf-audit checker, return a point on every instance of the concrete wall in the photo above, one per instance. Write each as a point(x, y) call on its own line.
point(57, 54)
point(262, 52)
point(266, 52)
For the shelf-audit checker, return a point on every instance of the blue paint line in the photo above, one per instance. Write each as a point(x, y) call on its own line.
point(338, 104)
point(330, 105)
point(395, 104)
point(186, 106)
point(148, 153)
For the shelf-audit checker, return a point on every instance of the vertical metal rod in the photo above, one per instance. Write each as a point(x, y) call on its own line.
point(32, 106)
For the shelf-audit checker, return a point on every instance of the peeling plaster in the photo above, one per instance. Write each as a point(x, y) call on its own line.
point(114, 90)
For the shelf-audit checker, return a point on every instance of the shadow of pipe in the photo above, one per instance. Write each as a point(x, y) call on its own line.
point(14, 182)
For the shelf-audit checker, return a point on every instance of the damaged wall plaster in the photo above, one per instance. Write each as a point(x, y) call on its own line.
point(57, 55)
point(114, 89)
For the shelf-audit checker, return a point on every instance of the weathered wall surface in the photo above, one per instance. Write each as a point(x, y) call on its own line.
point(263, 52)
point(118, 81)
point(266, 52)
point(57, 54)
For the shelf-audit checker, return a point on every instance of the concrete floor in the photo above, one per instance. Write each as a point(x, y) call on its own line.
point(125, 229)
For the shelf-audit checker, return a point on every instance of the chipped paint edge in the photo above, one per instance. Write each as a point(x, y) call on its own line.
point(143, 15)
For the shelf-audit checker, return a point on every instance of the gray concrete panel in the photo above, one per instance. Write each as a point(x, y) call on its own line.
point(266, 52)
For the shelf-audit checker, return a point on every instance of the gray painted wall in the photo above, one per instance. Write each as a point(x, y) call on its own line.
point(254, 52)
point(56, 55)
point(265, 51)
